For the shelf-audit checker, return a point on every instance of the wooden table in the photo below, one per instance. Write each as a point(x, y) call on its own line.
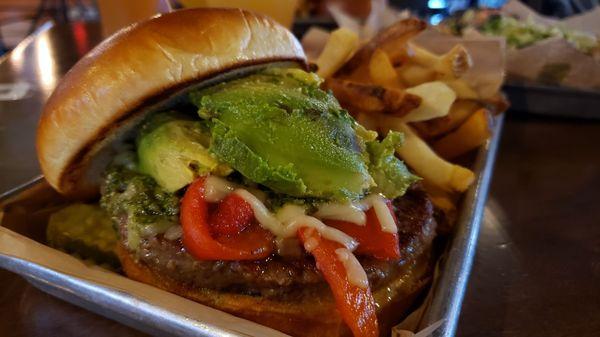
point(537, 267)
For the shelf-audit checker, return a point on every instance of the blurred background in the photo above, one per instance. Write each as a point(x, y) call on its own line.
point(18, 18)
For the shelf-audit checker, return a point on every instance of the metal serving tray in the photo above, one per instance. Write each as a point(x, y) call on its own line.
point(553, 100)
point(176, 316)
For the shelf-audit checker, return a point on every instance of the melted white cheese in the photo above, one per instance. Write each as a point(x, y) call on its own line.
point(295, 219)
point(260, 195)
point(265, 218)
point(330, 233)
point(311, 244)
point(345, 212)
point(355, 213)
point(289, 211)
point(386, 220)
point(216, 189)
point(354, 270)
point(286, 222)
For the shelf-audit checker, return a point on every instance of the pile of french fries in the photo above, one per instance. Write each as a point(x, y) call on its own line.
point(389, 83)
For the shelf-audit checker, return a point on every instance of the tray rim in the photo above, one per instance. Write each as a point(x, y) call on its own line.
point(449, 292)
point(551, 89)
point(446, 304)
point(553, 101)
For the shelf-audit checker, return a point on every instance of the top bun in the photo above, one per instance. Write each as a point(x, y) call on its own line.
point(116, 84)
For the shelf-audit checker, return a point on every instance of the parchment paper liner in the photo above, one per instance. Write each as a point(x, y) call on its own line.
point(528, 64)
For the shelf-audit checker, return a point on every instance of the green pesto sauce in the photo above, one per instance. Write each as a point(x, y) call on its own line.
point(137, 199)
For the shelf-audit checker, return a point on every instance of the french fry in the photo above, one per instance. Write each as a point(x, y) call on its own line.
point(413, 74)
point(459, 112)
point(454, 64)
point(436, 100)
point(444, 201)
point(462, 89)
point(341, 45)
point(360, 97)
point(498, 103)
point(426, 163)
point(458, 60)
point(368, 120)
point(423, 56)
point(392, 40)
point(470, 135)
point(382, 71)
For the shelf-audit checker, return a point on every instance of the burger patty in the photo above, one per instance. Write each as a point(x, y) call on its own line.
point(280, 276)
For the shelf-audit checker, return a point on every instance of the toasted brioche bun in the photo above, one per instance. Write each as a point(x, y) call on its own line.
point(113, 87)
point(316, 317)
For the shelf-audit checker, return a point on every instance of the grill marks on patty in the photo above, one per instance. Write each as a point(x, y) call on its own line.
point(285, 277)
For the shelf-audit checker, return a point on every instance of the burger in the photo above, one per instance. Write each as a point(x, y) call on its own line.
point(234, 180)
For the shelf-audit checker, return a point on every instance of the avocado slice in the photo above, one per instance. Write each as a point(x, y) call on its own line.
point(173, 149)
point(279, 129)
point(392, 177)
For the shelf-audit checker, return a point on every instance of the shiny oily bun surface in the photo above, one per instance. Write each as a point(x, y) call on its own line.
point(107, 91)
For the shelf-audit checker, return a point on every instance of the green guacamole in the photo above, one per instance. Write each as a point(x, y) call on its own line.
point(275, 130)
point(282, 131)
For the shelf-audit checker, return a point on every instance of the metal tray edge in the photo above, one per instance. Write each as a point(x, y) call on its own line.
point(458, 258)
point(109, 302)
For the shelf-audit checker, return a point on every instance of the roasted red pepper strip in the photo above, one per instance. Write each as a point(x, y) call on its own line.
point(232, 216)
point(356, 305)
point(253, 243)
point(371, 239)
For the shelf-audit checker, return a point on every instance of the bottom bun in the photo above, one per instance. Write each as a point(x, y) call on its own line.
point(313, 316)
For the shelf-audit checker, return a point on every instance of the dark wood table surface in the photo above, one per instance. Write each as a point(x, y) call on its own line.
point(537, 266)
